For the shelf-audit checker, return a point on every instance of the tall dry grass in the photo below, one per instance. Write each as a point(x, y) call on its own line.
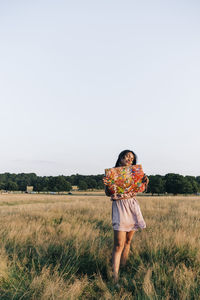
point(59, 247)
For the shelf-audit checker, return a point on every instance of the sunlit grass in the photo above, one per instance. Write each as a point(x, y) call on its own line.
point(59, 247)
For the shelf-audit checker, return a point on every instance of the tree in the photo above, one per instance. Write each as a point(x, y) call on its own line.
point(187, 187)
point(82, 185)
point(198, 179)
point(62, 184)
point(198, 182)
point(174, 183)
point(11, 186)
point(2, 186)
point(100, 185)
point(91, 183)
point(193, 183)
point(156, 185)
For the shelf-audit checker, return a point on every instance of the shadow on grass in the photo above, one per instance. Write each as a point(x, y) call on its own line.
point(173, 255)
point(63, 258)
point(28, 261)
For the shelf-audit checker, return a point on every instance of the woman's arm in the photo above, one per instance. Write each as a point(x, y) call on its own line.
point(145, 181)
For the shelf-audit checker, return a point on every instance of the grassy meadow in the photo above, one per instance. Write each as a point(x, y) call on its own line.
point(59, 247)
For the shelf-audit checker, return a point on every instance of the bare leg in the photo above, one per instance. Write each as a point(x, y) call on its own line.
point(119, 241)
point(125, 253)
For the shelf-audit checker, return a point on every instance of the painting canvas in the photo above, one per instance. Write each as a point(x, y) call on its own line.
point(122, 180)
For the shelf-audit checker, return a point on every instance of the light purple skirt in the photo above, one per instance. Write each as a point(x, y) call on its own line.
point(126, 215)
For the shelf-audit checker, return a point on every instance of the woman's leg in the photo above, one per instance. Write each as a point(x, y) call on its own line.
point(127, 244)
point(119, 241)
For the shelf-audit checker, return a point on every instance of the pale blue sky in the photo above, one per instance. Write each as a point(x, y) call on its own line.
point(80, 81)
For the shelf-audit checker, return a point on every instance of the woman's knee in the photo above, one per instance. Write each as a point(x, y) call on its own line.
point(119, 240)
point(118, 246)
point(127, 244)
point(129, 238)
point(128, 241)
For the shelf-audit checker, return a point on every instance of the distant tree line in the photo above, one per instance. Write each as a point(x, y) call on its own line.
point(173, 184)
point(19, 182)
point(170, 183)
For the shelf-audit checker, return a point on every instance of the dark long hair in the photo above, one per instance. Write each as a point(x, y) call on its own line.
point(121, 156)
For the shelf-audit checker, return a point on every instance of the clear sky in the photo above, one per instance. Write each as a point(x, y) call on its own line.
point(80, 81)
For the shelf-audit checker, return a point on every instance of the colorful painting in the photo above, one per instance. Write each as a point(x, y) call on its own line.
point(123, 180)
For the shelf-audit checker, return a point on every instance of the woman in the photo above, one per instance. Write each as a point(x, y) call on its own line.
point(126, 216)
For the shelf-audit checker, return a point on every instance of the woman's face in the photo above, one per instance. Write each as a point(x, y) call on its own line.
point(127, 160)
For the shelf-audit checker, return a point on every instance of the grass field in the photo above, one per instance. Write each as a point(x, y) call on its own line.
point(59, 247)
